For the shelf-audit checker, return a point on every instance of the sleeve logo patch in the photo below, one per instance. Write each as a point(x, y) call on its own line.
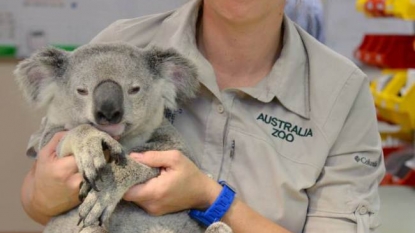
point(366, 161)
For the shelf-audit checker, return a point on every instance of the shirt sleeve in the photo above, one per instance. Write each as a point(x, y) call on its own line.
point(345, 197)
point(137, 31)
point(109, 34)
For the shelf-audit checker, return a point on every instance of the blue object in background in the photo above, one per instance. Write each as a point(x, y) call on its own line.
point(309, 15)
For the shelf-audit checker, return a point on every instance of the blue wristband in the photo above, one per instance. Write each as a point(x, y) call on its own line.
point(218, 209)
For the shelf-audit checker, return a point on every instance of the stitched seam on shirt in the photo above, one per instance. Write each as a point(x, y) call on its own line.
point(328, 211)
point(266, 141)
point(337, 99)
point(321, 131)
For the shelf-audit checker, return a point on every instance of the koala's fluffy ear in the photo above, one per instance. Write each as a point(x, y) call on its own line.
point(36, 75)
point(180, 74)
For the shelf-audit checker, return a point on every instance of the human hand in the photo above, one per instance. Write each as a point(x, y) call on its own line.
point(56, 181)
point(180, 185)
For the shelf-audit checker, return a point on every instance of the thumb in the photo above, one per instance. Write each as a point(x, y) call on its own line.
point(152, 158)
point(74, 181)
point(48, 151)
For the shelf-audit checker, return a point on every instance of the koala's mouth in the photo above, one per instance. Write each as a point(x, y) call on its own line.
point(113, 130)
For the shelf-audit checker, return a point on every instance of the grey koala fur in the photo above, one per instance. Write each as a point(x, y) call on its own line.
point(100, 92)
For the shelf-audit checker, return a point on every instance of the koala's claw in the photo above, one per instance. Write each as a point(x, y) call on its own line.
point(100, 221)
point(84, 189)
point(116, 152)
point(119, 159)
point(99, 175)
point(80, 220)
point(81, 197)
point(90, 183)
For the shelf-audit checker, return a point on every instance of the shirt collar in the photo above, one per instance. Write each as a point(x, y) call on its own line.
point(287, 81)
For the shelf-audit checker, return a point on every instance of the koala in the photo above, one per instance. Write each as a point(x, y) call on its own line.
point(111, 98)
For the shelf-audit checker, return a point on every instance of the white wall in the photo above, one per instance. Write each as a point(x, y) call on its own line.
point(69, 22)
point(17, 122)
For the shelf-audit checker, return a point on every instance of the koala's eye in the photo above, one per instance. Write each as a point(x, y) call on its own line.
point(82, 91)
point(133, 90)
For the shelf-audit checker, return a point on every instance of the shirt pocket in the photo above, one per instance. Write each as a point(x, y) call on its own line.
point(269, 182)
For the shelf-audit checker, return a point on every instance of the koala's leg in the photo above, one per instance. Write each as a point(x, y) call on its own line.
point(116, 180)
point(87, 144)
point(218, 227)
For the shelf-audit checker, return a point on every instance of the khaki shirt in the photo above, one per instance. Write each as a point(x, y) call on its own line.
point(301, 147)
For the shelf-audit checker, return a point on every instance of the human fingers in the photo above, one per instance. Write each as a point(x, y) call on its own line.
point(48, 151)
point(67, 164)
point(74, 181)
point(132, 194)
point(166, 159)
point(150, 200)
point(142, 193)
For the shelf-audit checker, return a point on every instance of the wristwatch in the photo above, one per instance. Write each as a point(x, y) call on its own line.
point(218, 209)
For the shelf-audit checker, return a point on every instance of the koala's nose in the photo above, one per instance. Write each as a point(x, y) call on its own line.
point(108, 116)
point(108, 103)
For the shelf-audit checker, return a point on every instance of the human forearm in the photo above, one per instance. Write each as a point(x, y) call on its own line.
point(164, 194)
point(240, 217)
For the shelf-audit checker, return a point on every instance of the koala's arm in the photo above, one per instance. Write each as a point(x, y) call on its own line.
point(105, 179)
point(117, 179)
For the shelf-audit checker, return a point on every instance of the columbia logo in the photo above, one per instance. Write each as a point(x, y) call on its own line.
point(366, 161)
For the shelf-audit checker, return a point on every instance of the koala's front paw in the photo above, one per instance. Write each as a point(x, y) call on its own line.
point(97, 207)
point(93, 149)
point(96, 153)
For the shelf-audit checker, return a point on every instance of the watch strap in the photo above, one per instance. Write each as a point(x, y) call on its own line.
point(218, 209)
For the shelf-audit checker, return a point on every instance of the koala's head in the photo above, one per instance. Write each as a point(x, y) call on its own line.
point(116, 87)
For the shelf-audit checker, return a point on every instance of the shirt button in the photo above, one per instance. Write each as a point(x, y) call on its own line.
point(220, 108)
point(363, 210)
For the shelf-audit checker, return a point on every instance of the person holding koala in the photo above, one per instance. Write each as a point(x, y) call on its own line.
point(280, 117)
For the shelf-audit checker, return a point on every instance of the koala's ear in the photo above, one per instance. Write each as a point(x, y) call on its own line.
point(37, 74)
point(179, 73)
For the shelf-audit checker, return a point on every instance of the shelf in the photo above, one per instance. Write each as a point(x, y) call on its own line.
point(404, 9)
point(394, 95)
point(387, 51)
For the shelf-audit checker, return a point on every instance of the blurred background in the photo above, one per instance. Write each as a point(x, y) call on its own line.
point(378, 35)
